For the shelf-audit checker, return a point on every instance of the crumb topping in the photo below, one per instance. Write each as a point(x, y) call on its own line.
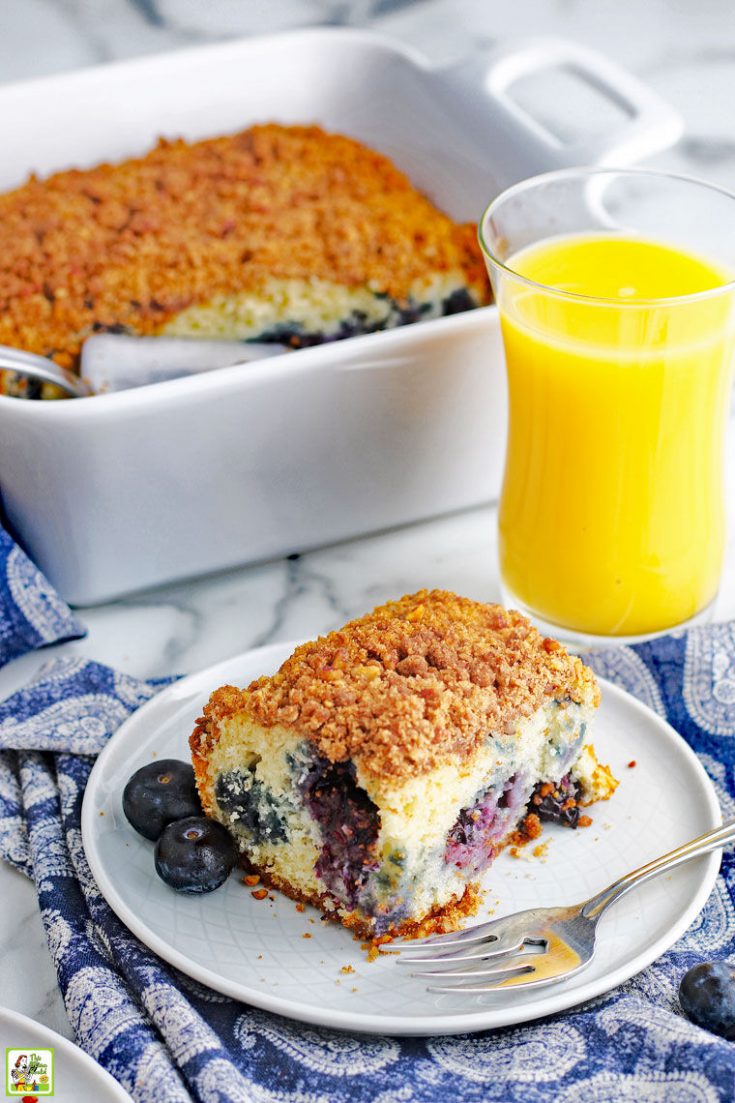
point(131, 245)
point(417, 682)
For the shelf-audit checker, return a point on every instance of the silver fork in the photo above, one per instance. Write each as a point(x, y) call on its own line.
point(539, 946)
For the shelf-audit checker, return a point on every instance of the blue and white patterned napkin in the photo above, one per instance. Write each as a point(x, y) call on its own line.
point(168, 1039)
point(32, 614)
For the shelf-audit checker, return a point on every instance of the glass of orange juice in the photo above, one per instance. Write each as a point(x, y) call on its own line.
point(617, 307)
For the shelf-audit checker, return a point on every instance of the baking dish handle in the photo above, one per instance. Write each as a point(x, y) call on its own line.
point(649, 125)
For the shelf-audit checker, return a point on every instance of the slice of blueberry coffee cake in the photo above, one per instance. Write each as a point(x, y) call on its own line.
point(383, 768)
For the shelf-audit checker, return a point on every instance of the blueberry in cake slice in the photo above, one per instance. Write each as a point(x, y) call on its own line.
point(383, 768)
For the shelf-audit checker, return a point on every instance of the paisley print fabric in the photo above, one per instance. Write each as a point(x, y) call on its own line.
point(168, 1039)
point(31, 612)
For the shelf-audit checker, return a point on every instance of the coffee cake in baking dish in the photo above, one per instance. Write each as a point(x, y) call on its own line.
point(384, 766)
point(278, 233)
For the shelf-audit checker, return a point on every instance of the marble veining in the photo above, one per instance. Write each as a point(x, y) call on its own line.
point(685, 51)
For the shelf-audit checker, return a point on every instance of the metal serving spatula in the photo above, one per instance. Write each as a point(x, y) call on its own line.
point(118, 362)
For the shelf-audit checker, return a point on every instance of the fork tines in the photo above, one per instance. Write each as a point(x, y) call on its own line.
point(499, 977)
point(483, 950)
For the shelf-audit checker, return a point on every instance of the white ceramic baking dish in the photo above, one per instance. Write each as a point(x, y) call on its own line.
point(120, 492)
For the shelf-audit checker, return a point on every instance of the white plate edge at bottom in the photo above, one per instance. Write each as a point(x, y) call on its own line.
point(552, 999)
point(68, 1047)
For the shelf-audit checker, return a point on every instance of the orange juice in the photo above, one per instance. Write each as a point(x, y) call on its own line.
point(611, 515)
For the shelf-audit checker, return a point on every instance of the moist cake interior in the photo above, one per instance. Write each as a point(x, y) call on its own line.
point(387, 833)
point(392, 852)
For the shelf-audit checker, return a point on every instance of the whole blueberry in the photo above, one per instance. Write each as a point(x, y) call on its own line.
point(159, 794)
point(195, 855)
point(707, 997)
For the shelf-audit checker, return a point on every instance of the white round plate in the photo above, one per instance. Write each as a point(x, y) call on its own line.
point(274, 957)
point(77, 1078)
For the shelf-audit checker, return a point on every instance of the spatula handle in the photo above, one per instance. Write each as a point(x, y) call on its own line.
point(39, 367)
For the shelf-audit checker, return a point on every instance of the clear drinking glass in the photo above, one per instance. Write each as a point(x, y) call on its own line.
point(617, 307)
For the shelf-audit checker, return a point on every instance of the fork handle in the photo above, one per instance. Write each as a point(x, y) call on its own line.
point(712, 840)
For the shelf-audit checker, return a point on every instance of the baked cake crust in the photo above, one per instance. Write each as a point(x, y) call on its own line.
point(133, 245)
point(416, 683)
point(440, 920)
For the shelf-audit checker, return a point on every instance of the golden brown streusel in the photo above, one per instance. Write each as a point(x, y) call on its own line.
point(417, 682)
point(132, 245)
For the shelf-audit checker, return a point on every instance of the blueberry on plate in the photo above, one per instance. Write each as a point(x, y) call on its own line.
point(159, 794)
point(707, 997)
point(195, 855)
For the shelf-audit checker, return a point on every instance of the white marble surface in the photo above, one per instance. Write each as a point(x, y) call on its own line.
point(683, 49)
